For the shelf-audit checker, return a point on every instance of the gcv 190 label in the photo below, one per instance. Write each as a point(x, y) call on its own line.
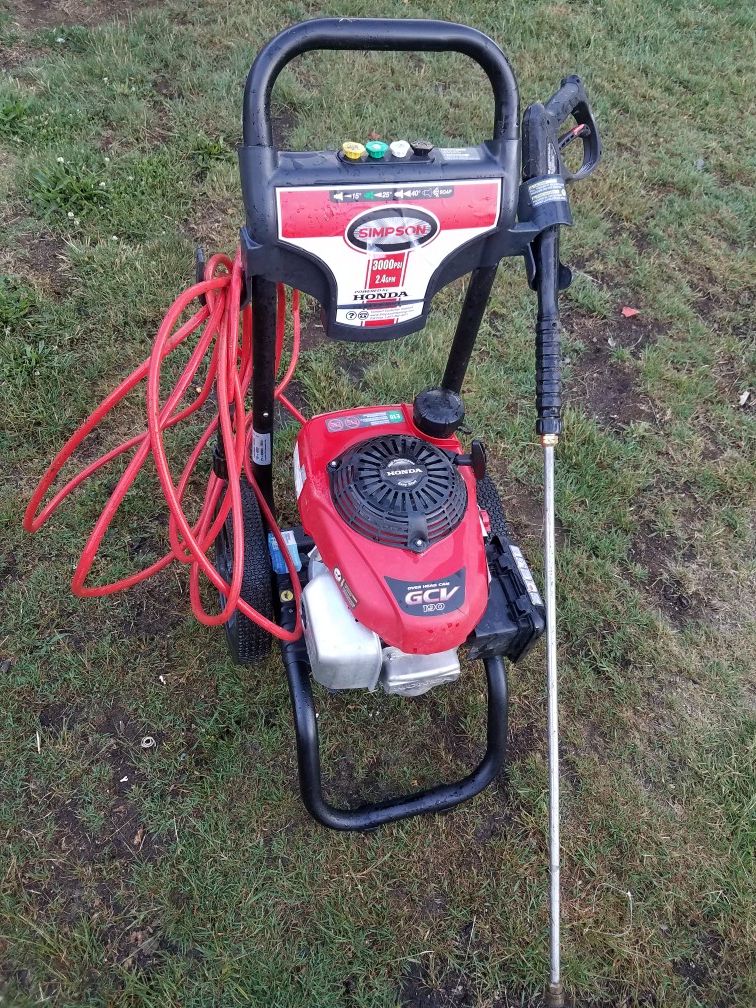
point(429, 598)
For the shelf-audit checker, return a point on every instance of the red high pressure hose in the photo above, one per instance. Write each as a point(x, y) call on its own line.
point(225, 336)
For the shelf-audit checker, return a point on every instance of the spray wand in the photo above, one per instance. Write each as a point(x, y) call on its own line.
point(545, 194)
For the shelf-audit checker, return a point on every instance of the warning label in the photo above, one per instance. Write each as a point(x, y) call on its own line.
point(461, 153)
point(383, 245)
point(354, 421)
point(548, 190)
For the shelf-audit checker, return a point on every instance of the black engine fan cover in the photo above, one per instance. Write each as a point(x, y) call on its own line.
point(398, 490)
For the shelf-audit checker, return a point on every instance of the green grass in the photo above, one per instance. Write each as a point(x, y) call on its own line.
point(188, 874)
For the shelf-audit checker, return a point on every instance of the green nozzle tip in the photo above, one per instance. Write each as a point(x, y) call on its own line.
point(376, 149)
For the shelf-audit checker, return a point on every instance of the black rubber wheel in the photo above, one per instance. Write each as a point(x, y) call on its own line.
point(489, 500)
point(247, 642)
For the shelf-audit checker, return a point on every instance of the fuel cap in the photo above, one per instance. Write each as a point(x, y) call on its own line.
point(352, 151)
point(399, 148)
point(421, 148)
point(376, 149)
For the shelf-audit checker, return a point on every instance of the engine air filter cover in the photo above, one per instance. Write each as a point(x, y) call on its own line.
point(398, 490)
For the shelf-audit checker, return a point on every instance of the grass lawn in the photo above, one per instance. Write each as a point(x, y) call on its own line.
point(188, 874)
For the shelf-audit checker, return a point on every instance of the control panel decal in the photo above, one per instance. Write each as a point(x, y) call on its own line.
point(383, 243)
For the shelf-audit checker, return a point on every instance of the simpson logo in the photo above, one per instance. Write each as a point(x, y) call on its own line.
point(392, 229)
point(429, 598)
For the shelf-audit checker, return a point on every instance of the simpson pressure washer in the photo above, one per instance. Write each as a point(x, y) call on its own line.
point(403, 555)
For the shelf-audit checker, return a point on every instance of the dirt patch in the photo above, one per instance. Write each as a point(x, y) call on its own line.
point(283, 122)
point(312, 331)
point(657, 554)
point(523, 509)
point(12, 56)
point(419, 990)
point(57, 717)
point(124, 738)
point(451, 734)
point(346, 788)
point(8, 569)
point(700, 968)
point(166, 87)
point(521, 743)
point(214, 224)
point(35, 14)
point(81, 857)
point(122, 836)
point(296, 396)
point(155, 608)
point(111, 736)
point(603, 386)
point(733, 376)
point(714, 303)
point(493, 825)
point(352, 365)
point(449, 988)
point(42, 259)
point(457, 747)
point(137, 947)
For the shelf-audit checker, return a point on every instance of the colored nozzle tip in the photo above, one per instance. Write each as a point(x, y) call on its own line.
point(352, 151)
point(376, 149)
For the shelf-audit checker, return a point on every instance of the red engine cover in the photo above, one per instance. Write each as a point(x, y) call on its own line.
point(422, 602)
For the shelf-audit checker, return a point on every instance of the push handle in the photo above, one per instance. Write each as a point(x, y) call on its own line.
point(376, 35)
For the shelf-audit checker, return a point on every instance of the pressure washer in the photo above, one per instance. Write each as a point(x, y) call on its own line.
point(403, 557)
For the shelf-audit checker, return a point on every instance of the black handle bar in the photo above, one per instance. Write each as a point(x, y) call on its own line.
point(376, 34)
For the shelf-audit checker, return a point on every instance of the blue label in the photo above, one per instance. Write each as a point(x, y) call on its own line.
point(277, 557)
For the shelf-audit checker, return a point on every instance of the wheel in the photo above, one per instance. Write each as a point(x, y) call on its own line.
point(247, 642)
point(489, 500)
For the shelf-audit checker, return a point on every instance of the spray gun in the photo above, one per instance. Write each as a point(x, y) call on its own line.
point(543, 196)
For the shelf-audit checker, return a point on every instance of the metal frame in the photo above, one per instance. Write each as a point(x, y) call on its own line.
point(368, 817)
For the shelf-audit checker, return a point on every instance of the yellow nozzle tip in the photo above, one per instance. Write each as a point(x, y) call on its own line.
point(351, 150)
